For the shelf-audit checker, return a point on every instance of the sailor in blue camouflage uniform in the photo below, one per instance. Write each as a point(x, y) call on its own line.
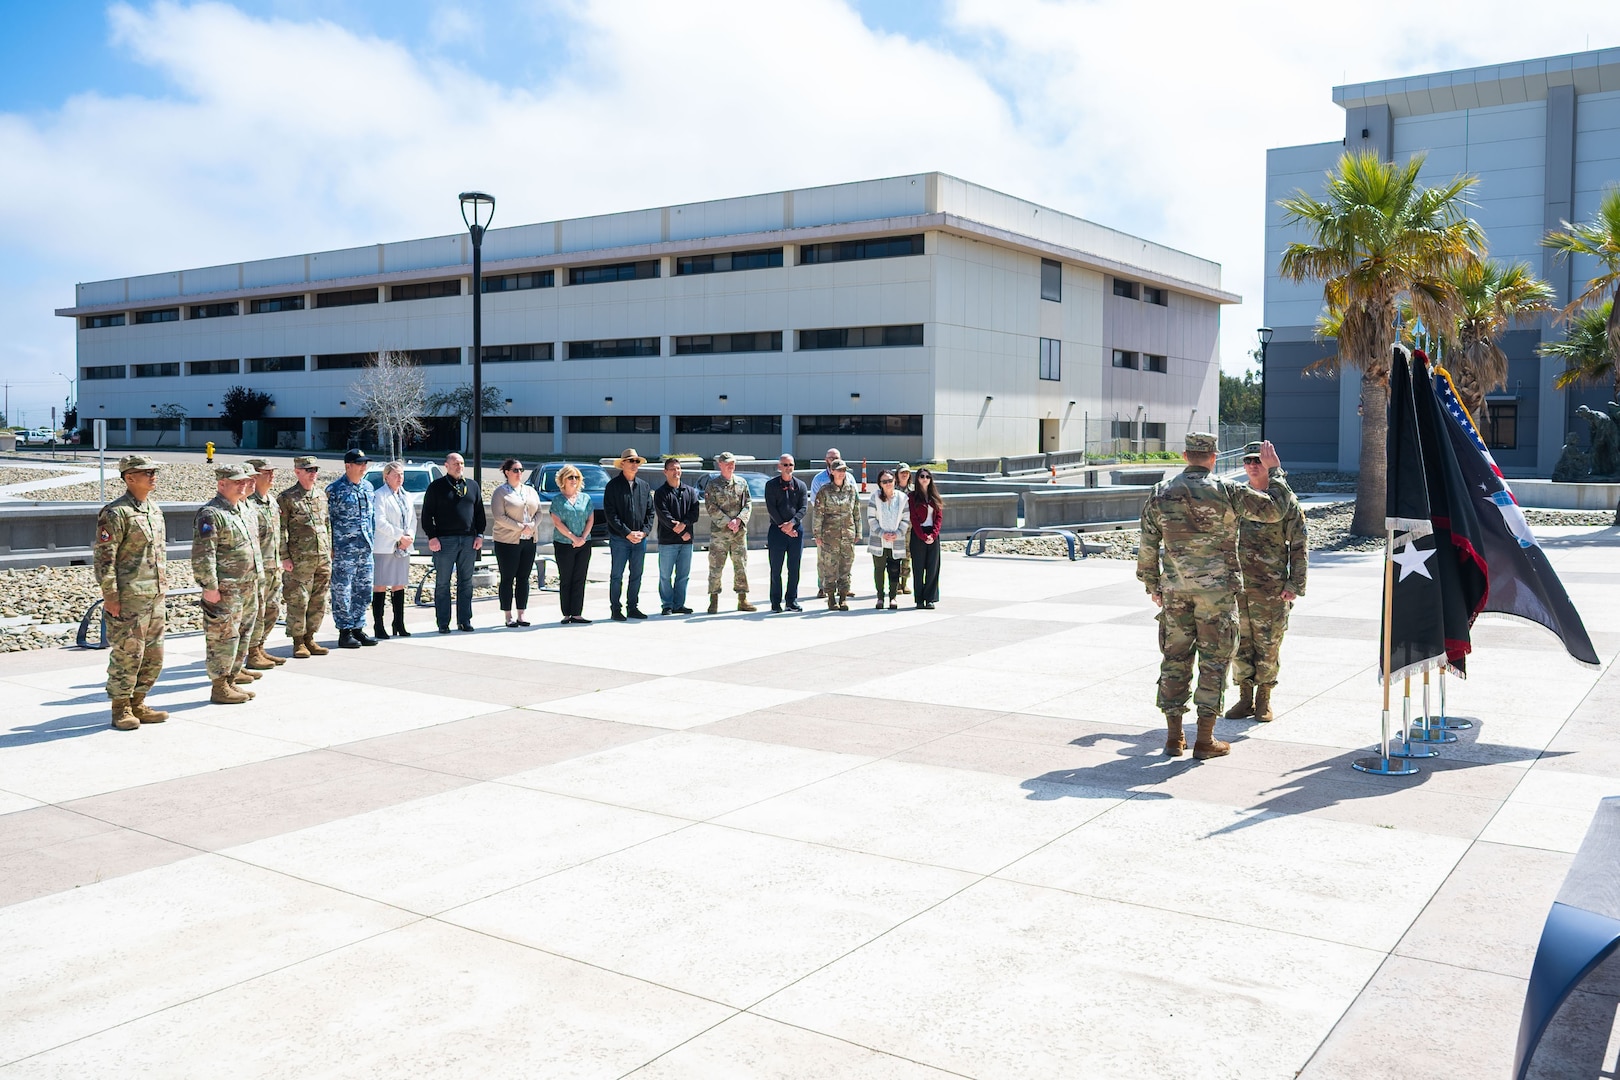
point(348, 501)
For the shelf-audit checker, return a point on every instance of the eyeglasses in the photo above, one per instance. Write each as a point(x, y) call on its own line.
point(886, 480)
point(516, 469)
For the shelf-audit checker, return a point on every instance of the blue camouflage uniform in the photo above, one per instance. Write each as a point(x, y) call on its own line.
point(349, 506)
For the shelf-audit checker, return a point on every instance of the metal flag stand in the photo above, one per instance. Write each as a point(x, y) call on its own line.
point(1444, 722)
point(1427, 730)
point(1411, 748)
point(1382, 765)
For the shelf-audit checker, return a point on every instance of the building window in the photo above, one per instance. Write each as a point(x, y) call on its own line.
point(1051, 280)
point(1152, 295)
point(337, 361)
point(613, 425)
point(214, 311)
point(728, 261)
point(613, 347)
point(1051, 359)
point(539, 279)
point(214, 367)
point(1123, 359)
point(1502, 425)
point(264, 365)
point(206, 423)
point(1155, 363)
point(513, 354)
point(346, 298)
point(629, 271)
point(434, 357)
point(518, 425)
point(1124, 288)
point(860, 425)
point(1124, 429)
point(862, 337)
point(276, 303)
point(96, 322)
point(760, 341)
point(105, 371)
point(882, 247)
point(728, 425)
point(425, 290)
point(155, 371)
point(1152, 432)
point(157, 423)
point(168, 314)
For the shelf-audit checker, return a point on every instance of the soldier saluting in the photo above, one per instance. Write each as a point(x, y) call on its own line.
point(1273, 558)
point(131, 567)
point(1188, 560)
point(228, 564)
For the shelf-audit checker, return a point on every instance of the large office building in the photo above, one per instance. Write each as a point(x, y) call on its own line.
point(1543, 137)
point(917, 317)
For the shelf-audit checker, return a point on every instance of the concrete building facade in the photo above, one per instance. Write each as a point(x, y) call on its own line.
point(918, 316)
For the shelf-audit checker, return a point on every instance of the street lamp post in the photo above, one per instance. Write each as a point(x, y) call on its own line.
point(1265, 340)
point(476, 210)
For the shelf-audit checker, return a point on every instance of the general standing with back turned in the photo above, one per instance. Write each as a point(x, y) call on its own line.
point(131, 560)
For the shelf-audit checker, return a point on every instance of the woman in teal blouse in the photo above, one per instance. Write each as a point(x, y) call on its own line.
point(571, 519)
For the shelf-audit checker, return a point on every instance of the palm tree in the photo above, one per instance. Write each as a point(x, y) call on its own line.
point(1599, 239)
point(1378, 238)
point(1493, 297)
point(1586, 350)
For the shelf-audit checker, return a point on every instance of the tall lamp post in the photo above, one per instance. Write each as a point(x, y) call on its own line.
point(1265, 340)
point(476, 210)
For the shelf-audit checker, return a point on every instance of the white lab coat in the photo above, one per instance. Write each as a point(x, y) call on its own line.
point(392, 517)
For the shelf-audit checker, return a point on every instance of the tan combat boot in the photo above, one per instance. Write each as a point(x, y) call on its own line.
point(138, 709)
point(226, 694)
point(1243, 707)
point(250, 676)
point(832, 601)
point(258, 661)
point(743, 604)
point(314, 648)
point(267, 655)
point(122, 719)
point(1208, 745)
point(714, 603)
point(1175, 742)
point(1262, 704)
point(300, 649)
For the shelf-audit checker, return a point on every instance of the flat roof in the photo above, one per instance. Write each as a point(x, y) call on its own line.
point(1591, 72)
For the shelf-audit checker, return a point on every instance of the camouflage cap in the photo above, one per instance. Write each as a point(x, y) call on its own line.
point(902, 467)
point(1251, 452)
point(1201, 442)
point(232, 472)
point(725, 455)
point(260, 465)
point(137, 463)
point(306, 462)
point(838, 466)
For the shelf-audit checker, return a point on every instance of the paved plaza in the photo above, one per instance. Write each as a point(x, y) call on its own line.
point(877, 844)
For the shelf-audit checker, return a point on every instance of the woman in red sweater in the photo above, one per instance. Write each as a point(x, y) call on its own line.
point(927, 515)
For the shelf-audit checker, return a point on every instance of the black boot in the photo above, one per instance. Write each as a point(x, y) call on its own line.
point(346, 640)
point(378, 599)
point(398, 596)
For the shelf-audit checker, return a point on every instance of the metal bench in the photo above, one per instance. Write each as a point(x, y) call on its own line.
point(94, 611)
point(981, 535)
point(424, 599)
point(1582, 931)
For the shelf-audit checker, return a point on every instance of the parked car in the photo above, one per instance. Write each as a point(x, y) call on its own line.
point(755, 481)
point(36, 437)
point(544, 480)
point(418, 475)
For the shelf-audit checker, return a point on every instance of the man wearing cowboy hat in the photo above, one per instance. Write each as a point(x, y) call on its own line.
point(627, 503)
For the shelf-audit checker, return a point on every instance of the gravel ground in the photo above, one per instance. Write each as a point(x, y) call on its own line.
point(25, 476)
point(188, 481)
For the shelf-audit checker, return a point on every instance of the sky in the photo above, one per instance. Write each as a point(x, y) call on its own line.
point(138, 137)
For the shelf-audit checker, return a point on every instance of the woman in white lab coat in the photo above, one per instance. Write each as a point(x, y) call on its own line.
point(393, 518)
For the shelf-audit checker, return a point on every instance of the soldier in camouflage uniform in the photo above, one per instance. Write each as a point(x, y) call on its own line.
point(838, 516)
point(228, 564)
point(270, 543)
point(131, 568)
point(306, 557)
point(349, 504)
point(1273, 559)
point(1188, 562)
point(728, 503)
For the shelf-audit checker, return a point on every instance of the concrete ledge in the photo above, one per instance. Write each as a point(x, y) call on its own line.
point(1056, 505)
point(1547, 495)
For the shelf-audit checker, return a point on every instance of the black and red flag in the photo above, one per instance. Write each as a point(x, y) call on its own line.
point(1416, 628)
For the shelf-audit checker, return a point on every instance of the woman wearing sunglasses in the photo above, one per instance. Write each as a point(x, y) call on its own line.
point(513, 508)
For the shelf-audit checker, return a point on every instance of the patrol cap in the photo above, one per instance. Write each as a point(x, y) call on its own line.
point(137, 463)
point(1200, 442)
point(839, 466)
point(306, 462)
point(259, 464)
point(902, 467)
point(1251, 452)
point(355, 457)
point(725, 455)
point(232, 472)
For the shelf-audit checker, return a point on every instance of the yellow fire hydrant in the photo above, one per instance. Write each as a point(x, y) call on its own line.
point(210, 448)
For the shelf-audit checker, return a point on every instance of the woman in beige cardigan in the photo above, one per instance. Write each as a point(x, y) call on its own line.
point(513, 510)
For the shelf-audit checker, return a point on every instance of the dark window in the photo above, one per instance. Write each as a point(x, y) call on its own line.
point(861, 337)
point(157, 423)
point(629, 271)
point(761, 341)
point(728, 261)
point(425, 290)
point(168, 314)
point(214, 367)
point(214, 311)
point(434, 357)
point(883, 247)
point(1154, 363)
point(1502, 425)
point(346, 298)
point(260, 365)
point(276, 303)
point(1051, 280)
point(509, 354)
point(1124, 359)
point(613, 425)
point(207, 423)
point(105, 371)
point(335, 361)
point(517, 425)
point(539, 279)
point(96, 322)
point(860, 425)
point(1151, 295)
point(1124, 429)
point(601, 350)
point(728, 425)
point(1051, 359)
point(1125, 288)
point(155, 371)
point(1153, 431)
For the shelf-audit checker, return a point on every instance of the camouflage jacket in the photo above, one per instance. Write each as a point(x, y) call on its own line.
point(225, 547)
point(131, 557)
point(1190, 530)
point(1273, 555)
point(838, 511)
point(305, 529)
point(349, 507)
point(725, 500)
point(264, 509)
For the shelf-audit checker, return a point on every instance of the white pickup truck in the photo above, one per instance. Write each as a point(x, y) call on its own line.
point(36, 437)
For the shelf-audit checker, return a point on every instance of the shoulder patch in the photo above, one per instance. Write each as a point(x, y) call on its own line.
point(206, 527)
point(105, 536)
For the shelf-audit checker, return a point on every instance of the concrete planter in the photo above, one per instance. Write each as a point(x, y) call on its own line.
point(1082, 506)
point(1130, 477)
point(1551, 495)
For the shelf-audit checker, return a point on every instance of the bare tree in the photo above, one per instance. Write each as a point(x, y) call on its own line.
point(166, 412)
point(391, 397)
point(458, 402)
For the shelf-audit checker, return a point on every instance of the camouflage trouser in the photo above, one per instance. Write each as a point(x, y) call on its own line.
point(724, 544)
point(228, 629)
point(269, 605)
point(351, 587)
point(135, 638)
point(1262, 621)
point(303, 593)
point(835, 557)
point(905, 571)
point(1205, 623)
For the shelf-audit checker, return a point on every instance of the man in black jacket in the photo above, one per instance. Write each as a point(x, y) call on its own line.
point(677, 507)
point(453, 520)
point(786, 498)
point(627, 503)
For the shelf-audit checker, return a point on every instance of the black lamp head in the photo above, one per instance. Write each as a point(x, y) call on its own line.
point(477, 209)
point(1265, 335)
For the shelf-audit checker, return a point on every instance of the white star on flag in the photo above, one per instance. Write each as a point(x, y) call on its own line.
point(1413, 561)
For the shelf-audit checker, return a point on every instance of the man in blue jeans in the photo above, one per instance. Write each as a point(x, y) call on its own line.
point(453, 521)
point(787, 499)
point(676, 505)
point(627, 503)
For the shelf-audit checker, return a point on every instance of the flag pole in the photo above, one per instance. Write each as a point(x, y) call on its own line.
point(1408, 750)
point(1449, 723)
point(1382, 765)
point(1428, 731)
